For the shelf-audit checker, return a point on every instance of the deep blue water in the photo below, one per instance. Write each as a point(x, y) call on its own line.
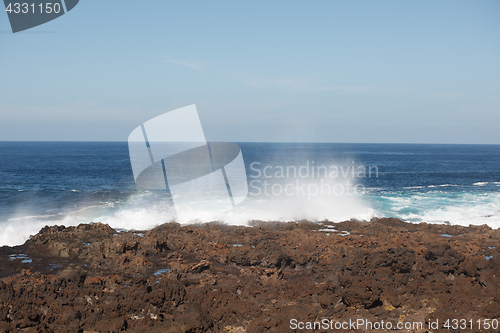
point(72, 182)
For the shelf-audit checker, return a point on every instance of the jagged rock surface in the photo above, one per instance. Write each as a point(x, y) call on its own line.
point(216, 278)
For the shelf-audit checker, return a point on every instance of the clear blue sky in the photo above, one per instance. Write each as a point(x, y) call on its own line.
point(320, 71)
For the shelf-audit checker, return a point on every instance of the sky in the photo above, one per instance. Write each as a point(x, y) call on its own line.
point(273, 71)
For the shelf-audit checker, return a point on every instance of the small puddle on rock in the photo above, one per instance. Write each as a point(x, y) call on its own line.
point(24, 258)
point(161, 271)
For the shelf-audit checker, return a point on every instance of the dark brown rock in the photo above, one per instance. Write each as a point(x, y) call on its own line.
point(215, 278)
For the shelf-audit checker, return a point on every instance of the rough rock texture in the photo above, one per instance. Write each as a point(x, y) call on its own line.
point(218, 278)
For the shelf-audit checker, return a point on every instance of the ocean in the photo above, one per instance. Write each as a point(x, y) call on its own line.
point(67, 183)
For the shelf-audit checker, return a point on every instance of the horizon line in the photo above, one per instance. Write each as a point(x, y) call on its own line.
point(294, 142)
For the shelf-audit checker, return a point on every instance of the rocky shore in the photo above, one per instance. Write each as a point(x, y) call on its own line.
point(218, 278)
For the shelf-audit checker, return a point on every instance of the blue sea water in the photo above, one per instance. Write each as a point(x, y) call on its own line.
point(47, 183)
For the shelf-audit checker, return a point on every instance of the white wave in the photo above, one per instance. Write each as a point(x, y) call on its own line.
point(133, 217)
point(480, 183)
point(147, 209)
point(138, 218)
point(444, 185)
point(317, 200)
point(374, 188)
point(17, 233)
point(293, 209)
point(136, 213)
point(462, 209)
